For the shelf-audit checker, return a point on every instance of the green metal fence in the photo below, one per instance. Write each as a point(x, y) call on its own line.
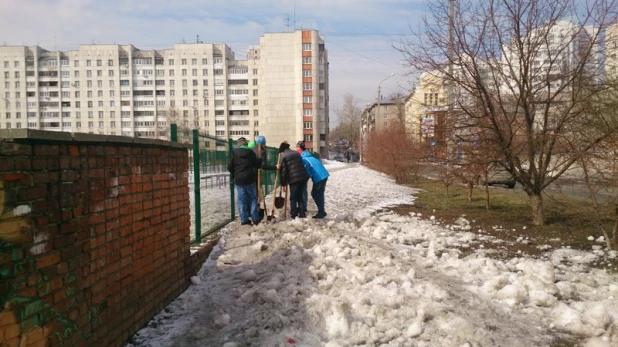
point(212, 198)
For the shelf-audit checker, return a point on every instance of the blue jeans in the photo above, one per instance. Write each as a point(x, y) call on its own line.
point(298, 205)
point(317, 193)
point(247, 202)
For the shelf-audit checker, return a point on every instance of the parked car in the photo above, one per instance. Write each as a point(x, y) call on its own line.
point(340, 158)
point(499, 176)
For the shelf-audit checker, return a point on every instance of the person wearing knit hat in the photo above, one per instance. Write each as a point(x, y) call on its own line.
point(243, 166)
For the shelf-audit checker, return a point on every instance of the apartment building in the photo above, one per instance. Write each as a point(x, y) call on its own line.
point(557, 51)
point(122, 90)
point(293, 89)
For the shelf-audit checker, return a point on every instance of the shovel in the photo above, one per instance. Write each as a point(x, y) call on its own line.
point(272, 211)
point(260, 191)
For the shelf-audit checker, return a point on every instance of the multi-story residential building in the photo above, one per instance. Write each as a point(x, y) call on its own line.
point(556, 50)
point(122, 90)
point(293, 88)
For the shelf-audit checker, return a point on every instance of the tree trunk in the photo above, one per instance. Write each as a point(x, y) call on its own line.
point(470, 188)
point(536, 202)
point(487, 197)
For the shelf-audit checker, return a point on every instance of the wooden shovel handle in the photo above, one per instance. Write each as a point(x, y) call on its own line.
point(276, 179)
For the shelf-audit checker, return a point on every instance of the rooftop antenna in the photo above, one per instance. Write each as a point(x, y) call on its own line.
point(287, 22)
point(198, 39)
point(294, 15)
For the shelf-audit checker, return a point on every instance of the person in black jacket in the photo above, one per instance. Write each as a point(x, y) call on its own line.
point(243, 166)
point(293, 173)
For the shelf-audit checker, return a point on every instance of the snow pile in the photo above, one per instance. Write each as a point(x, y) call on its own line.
point(367, 278)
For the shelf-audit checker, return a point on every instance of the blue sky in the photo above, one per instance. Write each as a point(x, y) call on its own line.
point(358, 33)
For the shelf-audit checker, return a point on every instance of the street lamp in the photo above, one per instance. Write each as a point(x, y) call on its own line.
point(380, 96)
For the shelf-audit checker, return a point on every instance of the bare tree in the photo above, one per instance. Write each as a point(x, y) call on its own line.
point(349, 118)
point(522, 74)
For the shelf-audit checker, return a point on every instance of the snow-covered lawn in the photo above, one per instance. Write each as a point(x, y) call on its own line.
point(368, 277)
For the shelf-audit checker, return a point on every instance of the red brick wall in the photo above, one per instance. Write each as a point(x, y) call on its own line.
point(94, 237)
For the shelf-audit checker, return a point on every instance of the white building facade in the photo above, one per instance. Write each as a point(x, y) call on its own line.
point(122, 90)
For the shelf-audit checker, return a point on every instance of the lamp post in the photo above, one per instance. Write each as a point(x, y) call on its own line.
point(380, 96)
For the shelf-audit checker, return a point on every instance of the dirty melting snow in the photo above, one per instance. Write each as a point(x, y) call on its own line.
point(366, 277)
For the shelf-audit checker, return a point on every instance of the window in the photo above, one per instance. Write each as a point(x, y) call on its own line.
point(307, 125)
point(99, 62)
point(306, 60)
point(306, 73)
point(88, 73)
point(171, 73)
point(110, 63)
point(16, 63)
point(307, 86)
point(99, 73)
point(307, 99)
point(170, 62)
point(184, 72)
point(76, 74)
point(100, 114)
point(255, 102)
point(218, 60)
point(90, 104)
point(255, 92)
point(306, 46)
point(112, 124)
point(204, 61)
point(307, 112)
point(110, 73)
point(308, 138)
point(255, 82)
point(100, 93)
point(89, 84)
point(183, 61)
point(255, 71)
point(16, 74)
point(76, 63)
point(124, 82)
point(6, 64)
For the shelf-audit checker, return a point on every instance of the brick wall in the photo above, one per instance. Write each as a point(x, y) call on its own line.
point(94, 236)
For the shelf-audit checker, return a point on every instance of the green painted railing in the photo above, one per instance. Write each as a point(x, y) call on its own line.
point(212, 198)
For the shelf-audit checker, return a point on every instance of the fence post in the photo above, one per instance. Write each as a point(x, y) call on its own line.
point(232, 207)
point(174, 132)
point(196, 186)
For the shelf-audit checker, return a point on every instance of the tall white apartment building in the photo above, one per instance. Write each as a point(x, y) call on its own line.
point(557, 51)
point(122, 90)
point(293, 89)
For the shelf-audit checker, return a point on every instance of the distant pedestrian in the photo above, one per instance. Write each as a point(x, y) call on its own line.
point(347, 157)
point(243, 166)
point(293, 173)
point(319, 175)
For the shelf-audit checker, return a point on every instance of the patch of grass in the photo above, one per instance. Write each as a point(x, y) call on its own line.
point(569, 218)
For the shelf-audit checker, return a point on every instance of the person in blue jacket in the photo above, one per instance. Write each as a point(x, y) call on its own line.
point(319, 175)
